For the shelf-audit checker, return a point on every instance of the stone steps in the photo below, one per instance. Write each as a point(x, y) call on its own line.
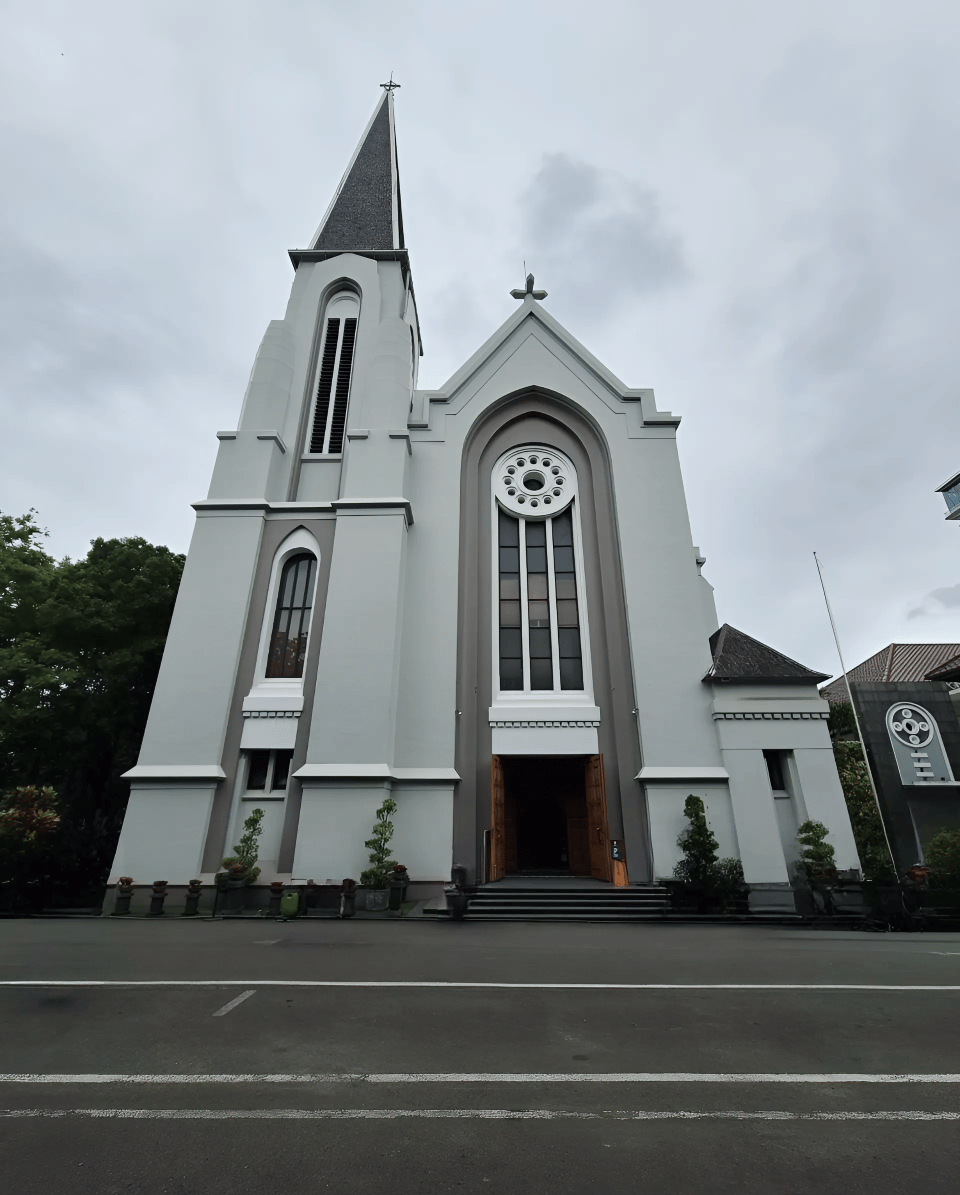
point(637, 903)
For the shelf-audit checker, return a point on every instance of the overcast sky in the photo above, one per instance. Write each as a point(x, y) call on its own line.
point(751, 207)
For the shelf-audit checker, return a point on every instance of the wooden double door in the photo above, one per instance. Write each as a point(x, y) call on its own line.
point(549, 816)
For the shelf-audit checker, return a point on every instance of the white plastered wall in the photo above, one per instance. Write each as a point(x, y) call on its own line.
point(164, 831)
point(667, 602)
point(791, 719)
point(667, 821)
point(336, 820)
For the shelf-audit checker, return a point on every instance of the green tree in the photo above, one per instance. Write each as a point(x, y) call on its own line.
point(817, 858)
point(864, 815)
point(841, 723)
point(699, 845)
point(942, 856)
point(28, 818)
point(377, 875)
point(80, 647)
point(718, 880)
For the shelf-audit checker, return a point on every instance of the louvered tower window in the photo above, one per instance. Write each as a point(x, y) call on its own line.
point(333, 379)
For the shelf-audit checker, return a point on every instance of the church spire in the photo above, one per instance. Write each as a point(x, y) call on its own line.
point(365, 212)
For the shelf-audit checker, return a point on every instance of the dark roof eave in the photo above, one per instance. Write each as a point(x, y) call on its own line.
point(299, 255)
point(815, 678)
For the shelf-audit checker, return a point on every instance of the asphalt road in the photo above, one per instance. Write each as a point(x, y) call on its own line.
point(818, 1083)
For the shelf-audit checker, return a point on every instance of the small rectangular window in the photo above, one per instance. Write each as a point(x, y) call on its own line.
point(281, 769)
point(257, 766)
point(775, 770)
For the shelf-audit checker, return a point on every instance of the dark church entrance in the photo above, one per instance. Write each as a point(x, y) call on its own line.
point(549, 817)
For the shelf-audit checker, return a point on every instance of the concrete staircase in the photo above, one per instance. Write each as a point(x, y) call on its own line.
point(505, 902)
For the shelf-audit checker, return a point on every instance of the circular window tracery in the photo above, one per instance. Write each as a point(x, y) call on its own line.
point(535, 481)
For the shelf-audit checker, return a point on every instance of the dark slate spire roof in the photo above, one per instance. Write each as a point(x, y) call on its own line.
point(737, 657)
point(365, 212)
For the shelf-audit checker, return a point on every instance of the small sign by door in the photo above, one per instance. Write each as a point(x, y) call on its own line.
point(616, 849)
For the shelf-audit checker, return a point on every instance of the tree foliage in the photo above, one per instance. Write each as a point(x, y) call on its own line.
point(242, 864)
point(817, 856)
point(718, 880)
point(841, 723)
point(377, 875)
point(80, 647)
point(864, 815)
point(942, 855)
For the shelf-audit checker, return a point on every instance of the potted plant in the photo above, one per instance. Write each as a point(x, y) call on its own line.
point(241, 867)
point(376, 878)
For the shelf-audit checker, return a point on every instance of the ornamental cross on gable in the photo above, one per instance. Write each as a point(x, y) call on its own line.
point(522, 294)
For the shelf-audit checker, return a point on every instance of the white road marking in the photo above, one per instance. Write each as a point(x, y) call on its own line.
point(952, 953)
point(439, 983)
point(480, 1077)
point(268, 942)
point(222, 1012)
point(438, 1114)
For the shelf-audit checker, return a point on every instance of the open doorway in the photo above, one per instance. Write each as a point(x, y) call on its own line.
point(545, 815)
point(549, 816)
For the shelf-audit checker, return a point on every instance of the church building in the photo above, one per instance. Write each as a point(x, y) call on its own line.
point(483, 601)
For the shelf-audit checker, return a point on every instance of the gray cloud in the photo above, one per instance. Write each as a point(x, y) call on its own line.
point(946, 599)
point(597, 231)
point(750, 208)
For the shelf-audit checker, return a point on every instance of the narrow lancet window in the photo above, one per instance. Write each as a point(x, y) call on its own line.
point(511, 639)
point(568, 614)
point(333, 380)
point(538, 606)
point(539, 595)
point(291, 626)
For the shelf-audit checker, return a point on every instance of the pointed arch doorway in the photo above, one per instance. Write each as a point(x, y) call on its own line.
point(549, 817)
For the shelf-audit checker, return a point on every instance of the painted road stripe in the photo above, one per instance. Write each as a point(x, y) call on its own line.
point(479, 1077)
point(431, 983)
point(437, 1114)
point(222, 1012)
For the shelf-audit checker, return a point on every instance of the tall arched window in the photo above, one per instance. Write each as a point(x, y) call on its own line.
point(333, 377)
point(539, 593)
point(291, 624)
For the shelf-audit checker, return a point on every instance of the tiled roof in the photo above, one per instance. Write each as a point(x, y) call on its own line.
point(897, 661)
point(950, 670)
point(737, 657)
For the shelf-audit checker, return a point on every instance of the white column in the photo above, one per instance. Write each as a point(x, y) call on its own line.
point(758, 832)
point(823, 797)
point(355, 702)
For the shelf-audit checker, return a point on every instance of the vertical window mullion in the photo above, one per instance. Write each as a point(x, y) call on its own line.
point(524, 606)
point(552, 597)
point(268, 783)
point(333, 386)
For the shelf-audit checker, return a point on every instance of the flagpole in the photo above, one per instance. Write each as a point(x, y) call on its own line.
point(856, 720)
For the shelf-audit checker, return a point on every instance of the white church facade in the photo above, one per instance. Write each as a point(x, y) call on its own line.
point(483, 601)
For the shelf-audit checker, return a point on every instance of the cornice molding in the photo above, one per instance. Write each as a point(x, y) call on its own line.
point(770, 717)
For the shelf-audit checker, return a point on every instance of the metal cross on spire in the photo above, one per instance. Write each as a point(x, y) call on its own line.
point(391, 86)
point(522, 294)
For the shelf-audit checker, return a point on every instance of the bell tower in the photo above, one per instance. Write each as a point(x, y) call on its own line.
point(316, 467)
